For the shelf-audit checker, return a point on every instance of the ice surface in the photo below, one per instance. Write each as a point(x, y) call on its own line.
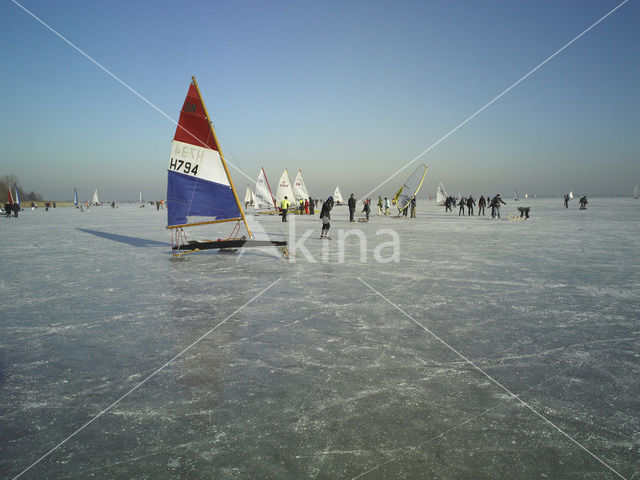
point(320, 377)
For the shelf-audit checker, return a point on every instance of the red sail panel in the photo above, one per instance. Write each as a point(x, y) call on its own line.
point(10, 199)
point(193, 126)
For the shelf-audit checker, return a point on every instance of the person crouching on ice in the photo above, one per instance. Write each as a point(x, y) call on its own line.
point(524, 211)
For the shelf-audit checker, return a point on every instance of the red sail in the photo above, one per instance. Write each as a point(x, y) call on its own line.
point(10, 199)
point(193, 126)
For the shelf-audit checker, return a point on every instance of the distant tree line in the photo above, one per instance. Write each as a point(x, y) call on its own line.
point(7, 182)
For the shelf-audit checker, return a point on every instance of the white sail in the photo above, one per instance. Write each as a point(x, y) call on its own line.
point(94, 199)
point(284, 189)
point(299, 188)
point(635, 192)
point(247, 195)
point(526, 195)
point(337, 196)
point(571, 194)
point(441, 194)
point(263, 197)
point(253, 198)
point(140, 195)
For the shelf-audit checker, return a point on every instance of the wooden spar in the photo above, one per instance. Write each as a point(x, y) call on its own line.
point(204, 223)
point(224, 163)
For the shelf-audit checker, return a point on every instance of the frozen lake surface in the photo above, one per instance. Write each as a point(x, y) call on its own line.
point(320, 376)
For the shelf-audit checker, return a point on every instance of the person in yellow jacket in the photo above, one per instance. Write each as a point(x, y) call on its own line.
point(284, 206)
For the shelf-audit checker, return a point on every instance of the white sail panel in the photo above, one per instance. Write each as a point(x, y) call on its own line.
point(94, 199)
point(247, 195)
point(199, 162)
point(441, 194)
point(337, 196)
point(264, 197)
point(284, 189)
point(299, 188)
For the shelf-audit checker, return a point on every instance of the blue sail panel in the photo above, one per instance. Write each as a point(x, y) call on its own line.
point(188, 195)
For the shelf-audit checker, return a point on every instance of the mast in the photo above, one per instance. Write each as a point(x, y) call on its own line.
point(224, 163)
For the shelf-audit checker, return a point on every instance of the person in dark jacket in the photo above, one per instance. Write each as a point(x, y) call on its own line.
point(462, 203)
point(367, 208)
point(352, 207)
point(481, 205)
point(16, 209)
point(583, 203)
point(325, 216)
point(311, 205)
point(524, 211)
point(495, 206)
point(413, 207)
point(470, 203)
point(447, 205)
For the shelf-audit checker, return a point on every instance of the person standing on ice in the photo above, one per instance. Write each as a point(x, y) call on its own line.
point(367, 208)
point(566, 200)
point(379, 205)
point(413, 207)
point(311, 205)
point(352, 207)
point(481, 205)
point(386, 206)
point(470, 203)
point(325, 216)
point(284, 206)
point(495, 206)
point(462, 203)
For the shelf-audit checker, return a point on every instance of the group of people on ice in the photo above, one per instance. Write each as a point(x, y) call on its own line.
point(582, 202)
point(469, 202)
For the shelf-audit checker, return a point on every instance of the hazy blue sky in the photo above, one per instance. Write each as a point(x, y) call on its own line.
point(348, 91)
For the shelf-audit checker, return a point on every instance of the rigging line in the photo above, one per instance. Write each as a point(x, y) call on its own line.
point(202, 337)
point(493, 380)
point(504, 92)
point(115, 77)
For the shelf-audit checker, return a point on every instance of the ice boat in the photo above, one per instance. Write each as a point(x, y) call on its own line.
point(199, 184)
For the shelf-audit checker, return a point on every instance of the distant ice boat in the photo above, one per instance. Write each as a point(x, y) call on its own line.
point(635, 192)
point(337, 196)
point(95, 200)
point(300, 189)
point(441, 195)
point(264, 200)
point(285, 190)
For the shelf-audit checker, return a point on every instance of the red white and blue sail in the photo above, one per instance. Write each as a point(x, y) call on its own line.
point(75, 196)
point(198, 181)
point(15, 187)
